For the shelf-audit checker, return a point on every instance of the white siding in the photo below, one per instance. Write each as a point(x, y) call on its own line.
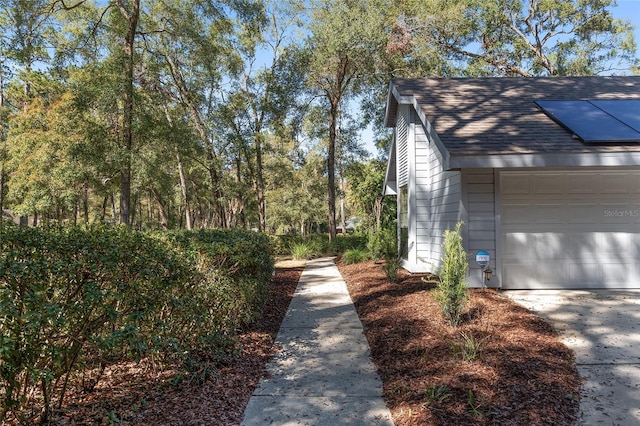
point(437, 196)
point(480, 221)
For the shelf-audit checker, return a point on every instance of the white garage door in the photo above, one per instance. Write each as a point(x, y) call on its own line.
point(570, 229)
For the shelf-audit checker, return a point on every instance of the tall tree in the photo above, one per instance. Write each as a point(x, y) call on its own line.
point(263, 98)
point(520, 37)
point(130, 11)
point(347, 38)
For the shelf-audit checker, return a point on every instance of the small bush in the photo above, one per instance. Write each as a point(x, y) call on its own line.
point(355, 256)
point(391, 268)
point(301, 251)
point(343, 243)
point(451, 289)
point(383, 244)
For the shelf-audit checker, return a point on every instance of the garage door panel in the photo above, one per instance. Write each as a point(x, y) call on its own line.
point(549, 214)
point(614, 183)
point(581, 184)
point(516, 184)
point(550, 183)
point(584, 232)
point(581, 246)
point(618, 273)
point(516, 214)
point(582, 213)
point(519, 245)
point(530, 276)
point(615, 244)
point(584, 274)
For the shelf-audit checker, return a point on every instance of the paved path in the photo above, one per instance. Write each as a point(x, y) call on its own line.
point(324, 374)
point(603, 329)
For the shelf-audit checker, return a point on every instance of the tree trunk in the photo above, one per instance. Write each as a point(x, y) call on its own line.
point(164, 221)
point(132, 18)
point(259, 187)
point(3, 140)
point(187, 101)
point(331, 167)
point(185, 194)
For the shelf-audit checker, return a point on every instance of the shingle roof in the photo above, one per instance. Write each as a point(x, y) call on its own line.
point(486, 116)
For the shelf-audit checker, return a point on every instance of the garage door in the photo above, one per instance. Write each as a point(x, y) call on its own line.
point(570, 229)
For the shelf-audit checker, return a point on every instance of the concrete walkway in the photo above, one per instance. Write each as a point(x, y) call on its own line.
point(603, 329)
point(323, 374)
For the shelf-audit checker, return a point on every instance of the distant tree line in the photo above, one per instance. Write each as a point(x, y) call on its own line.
point(197, 114)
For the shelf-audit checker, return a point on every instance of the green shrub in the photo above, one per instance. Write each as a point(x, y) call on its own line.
point(343, 243)
point(383, 244)
point(302, 250)
point(71, 298)
point(355, 256)
point(451, 289)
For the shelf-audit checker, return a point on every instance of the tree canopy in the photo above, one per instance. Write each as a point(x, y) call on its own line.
point(248, 113)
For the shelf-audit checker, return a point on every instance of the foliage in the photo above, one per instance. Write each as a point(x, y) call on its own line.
point(71, 299)
point(469, 347)
point(383, 243)
point(303, 250)
point(515, 37)
point(365, 191)
point(355, 256)
point(451, 291)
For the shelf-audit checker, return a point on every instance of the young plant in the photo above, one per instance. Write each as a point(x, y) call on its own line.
point(451, 290)
point(470, 347)
point(437, 394)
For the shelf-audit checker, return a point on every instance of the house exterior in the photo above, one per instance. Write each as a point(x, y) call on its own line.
point(553, 210)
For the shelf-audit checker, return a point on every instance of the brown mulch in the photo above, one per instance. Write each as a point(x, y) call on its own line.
point(518, 374)
point(521, 373)
point(135, 394)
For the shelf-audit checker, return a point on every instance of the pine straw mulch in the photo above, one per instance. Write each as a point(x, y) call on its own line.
point(503, 365)
point(521, 375)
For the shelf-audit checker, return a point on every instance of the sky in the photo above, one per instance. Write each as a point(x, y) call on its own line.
point(626, 9)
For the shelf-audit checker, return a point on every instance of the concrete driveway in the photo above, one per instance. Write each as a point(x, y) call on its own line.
point(603, 329)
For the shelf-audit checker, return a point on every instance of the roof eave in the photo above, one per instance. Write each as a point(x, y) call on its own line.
point(587, 159)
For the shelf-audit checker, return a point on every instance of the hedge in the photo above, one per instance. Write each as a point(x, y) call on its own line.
point(73, 299)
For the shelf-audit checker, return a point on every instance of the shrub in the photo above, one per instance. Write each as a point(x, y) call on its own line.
point(303, 251)
point(391, 267)
point(383, 243)
point(355, 256)
point(71, 298)
point(343, 243)
point(451, 289)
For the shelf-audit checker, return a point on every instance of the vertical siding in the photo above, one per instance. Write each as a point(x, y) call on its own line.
point(480, 232)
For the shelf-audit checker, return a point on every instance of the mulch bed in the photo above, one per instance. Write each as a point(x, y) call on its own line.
point(502, 365)
point(137, 394)
point(519, 373)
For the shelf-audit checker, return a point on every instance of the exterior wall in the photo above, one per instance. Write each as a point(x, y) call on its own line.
point(479, 232)
point(434, 200)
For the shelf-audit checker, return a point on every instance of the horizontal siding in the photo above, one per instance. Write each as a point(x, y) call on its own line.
point(479, 188)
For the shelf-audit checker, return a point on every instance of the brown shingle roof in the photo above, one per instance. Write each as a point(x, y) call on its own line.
point(480, 116)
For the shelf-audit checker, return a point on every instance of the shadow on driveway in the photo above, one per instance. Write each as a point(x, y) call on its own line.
point(602, 327)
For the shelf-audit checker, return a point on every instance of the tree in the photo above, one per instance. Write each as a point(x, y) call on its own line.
point(365, 182)
point(520, 37)
point(45, 177)
point(345, 44)
point(264, 96)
